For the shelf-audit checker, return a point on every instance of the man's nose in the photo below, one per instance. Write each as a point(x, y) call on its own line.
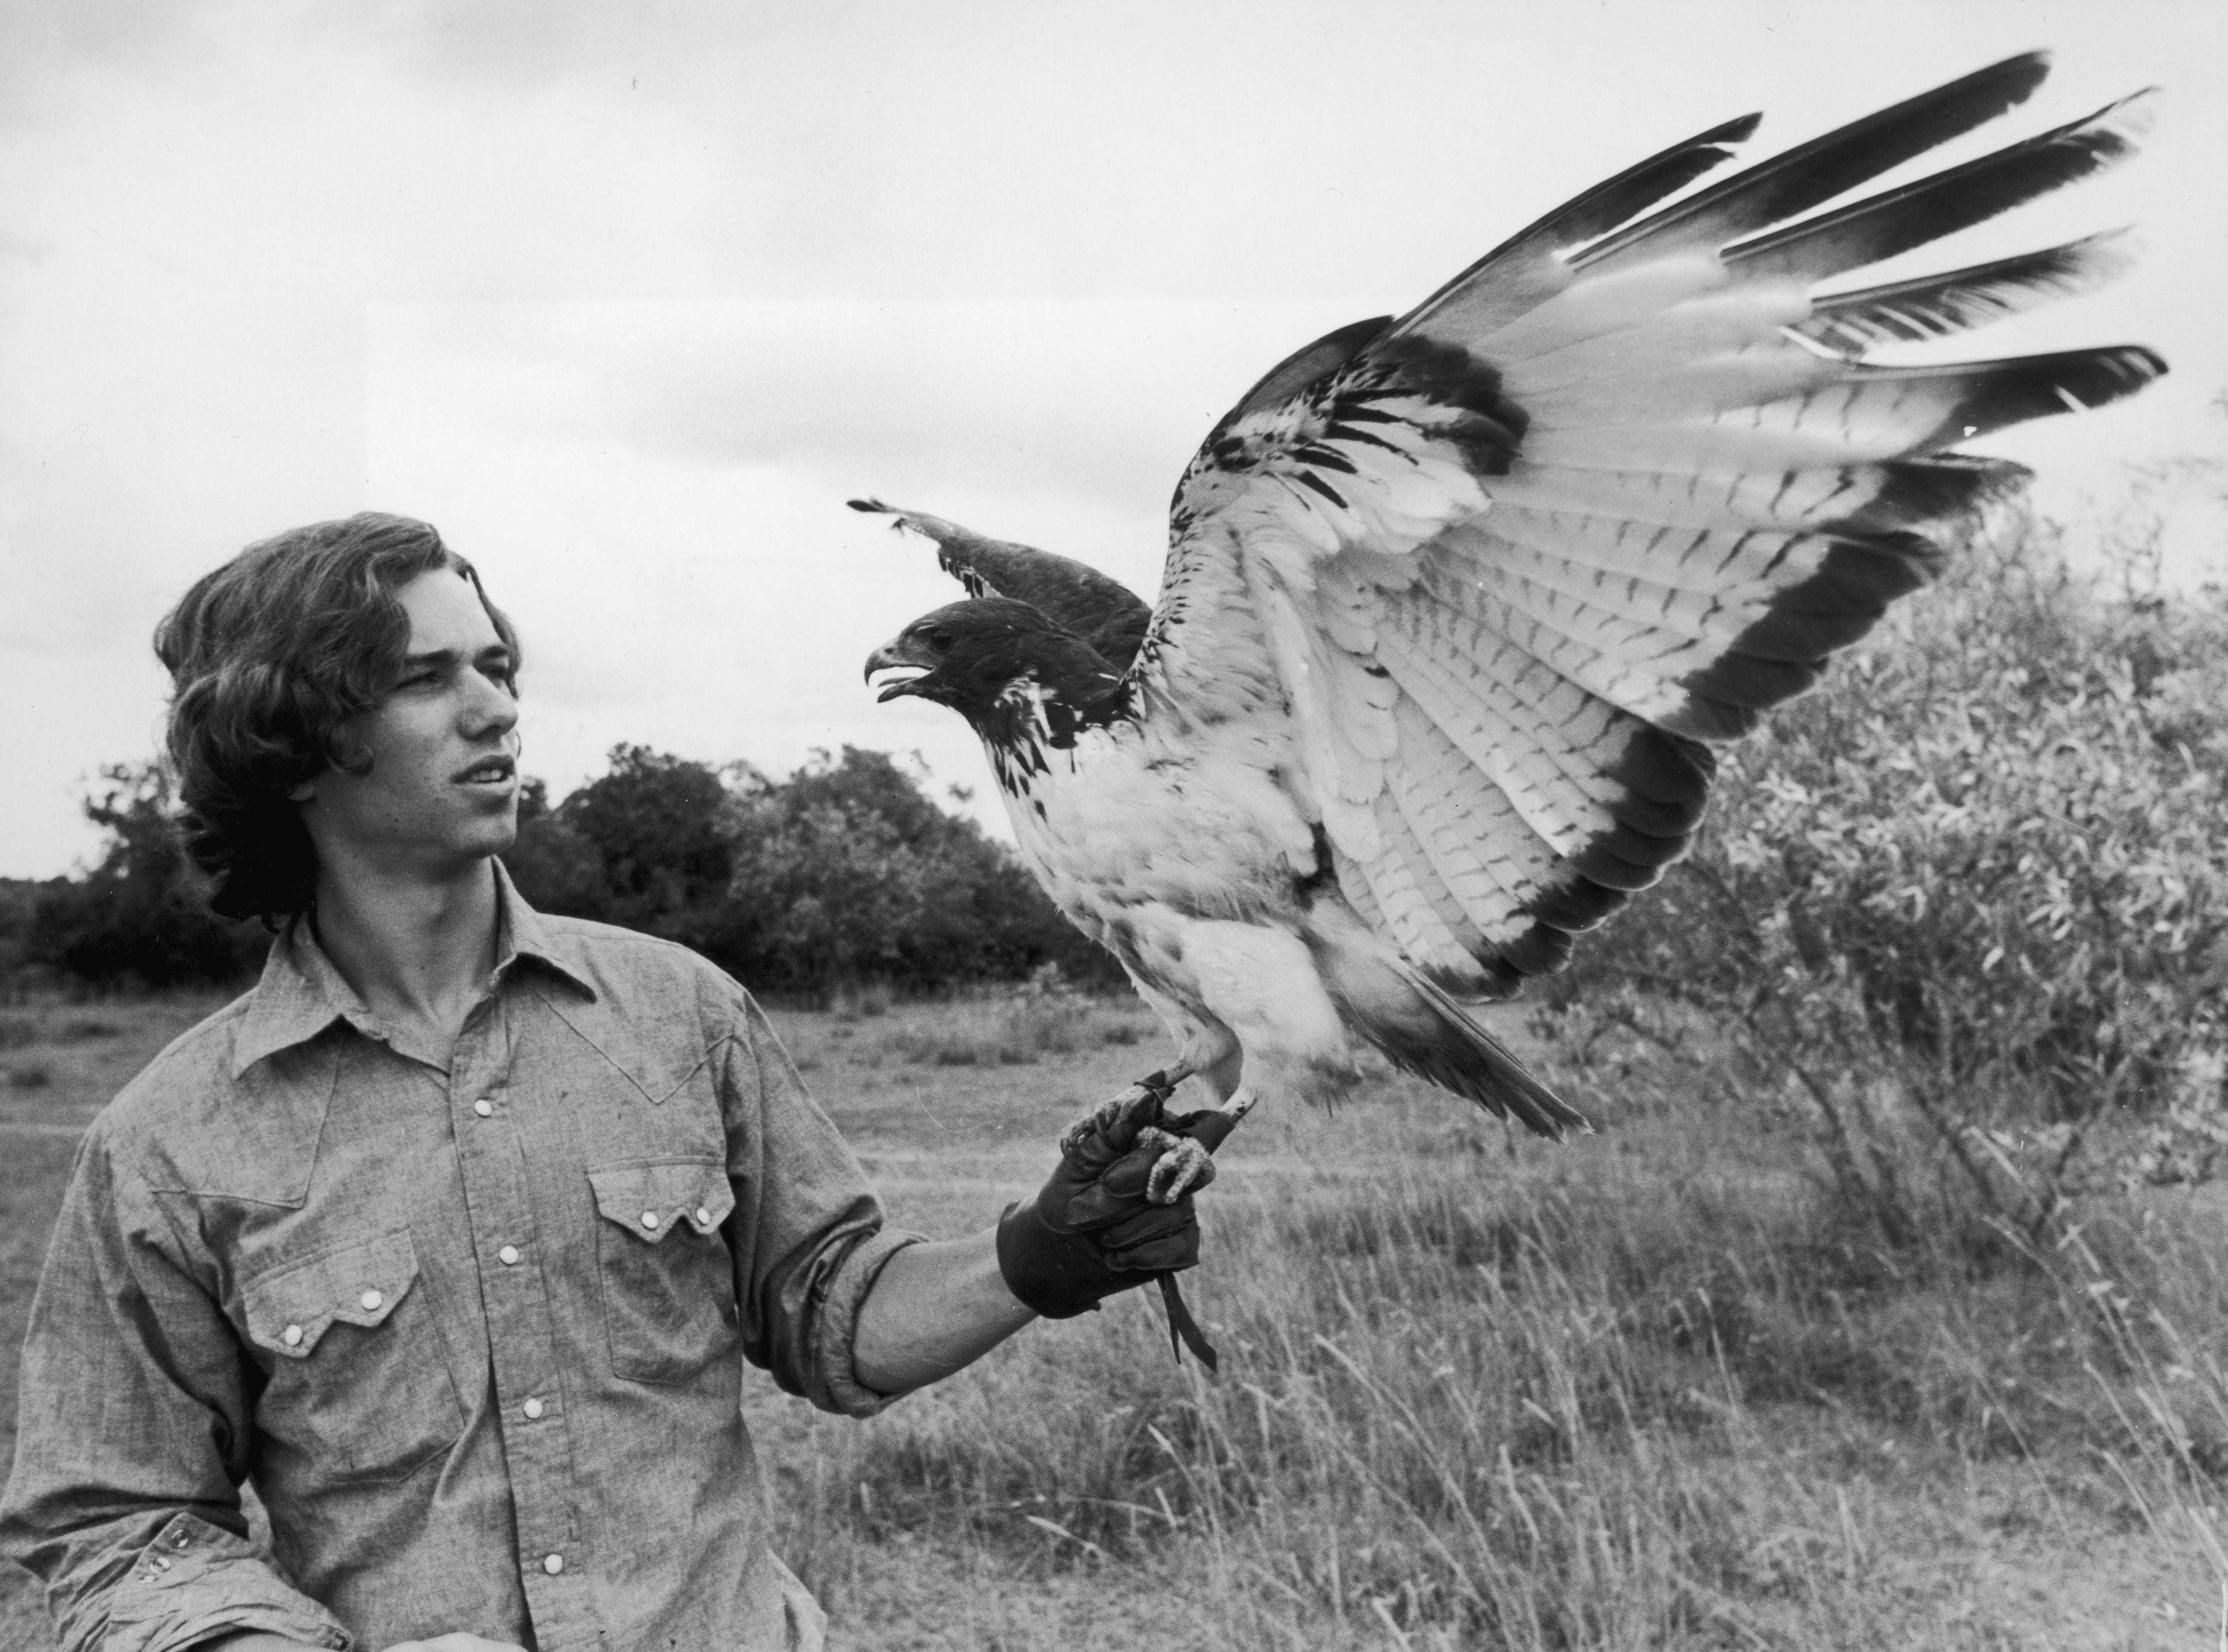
point(491, 709)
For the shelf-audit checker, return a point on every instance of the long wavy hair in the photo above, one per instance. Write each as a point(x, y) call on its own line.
point(269, 656)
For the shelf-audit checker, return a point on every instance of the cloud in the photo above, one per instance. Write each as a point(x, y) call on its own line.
point(1007, 261)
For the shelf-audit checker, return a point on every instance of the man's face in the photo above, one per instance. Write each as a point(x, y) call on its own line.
point(441, 794)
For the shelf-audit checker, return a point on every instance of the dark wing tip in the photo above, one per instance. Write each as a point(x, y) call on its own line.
point(2141, 363)
point(874, 505)
point(1787, 185)
point(2014, 78)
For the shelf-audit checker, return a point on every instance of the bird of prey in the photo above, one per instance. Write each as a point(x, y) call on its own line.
point(1458, 603)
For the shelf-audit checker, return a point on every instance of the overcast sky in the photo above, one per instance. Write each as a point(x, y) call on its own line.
point(629, 298)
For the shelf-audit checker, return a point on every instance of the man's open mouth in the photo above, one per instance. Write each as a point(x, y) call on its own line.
point(490, 771)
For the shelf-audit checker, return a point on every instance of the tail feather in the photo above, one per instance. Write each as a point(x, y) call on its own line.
point(1460, 1055)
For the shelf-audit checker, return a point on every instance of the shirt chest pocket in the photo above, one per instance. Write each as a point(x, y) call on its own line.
point(359, 1382)
point(667, 1278)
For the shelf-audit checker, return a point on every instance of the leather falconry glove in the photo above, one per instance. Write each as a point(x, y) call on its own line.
point(1091, 1232)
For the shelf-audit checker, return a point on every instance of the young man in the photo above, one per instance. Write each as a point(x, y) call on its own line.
point(453, 1235)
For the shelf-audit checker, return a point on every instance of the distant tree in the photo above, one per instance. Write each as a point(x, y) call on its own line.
point(847, 870)
point(140, 918)
point(820, 893)
point(871, 782)
point(660, 825)
point(850, 869)
point(19, 901)
point(555, 867)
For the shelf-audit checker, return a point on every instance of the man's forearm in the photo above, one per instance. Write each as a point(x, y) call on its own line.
point(933, 1309)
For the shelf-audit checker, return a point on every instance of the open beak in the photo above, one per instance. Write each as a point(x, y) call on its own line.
point(895, 655)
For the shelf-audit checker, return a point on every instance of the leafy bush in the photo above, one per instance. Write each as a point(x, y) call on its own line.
point(845, 872)
point(19, 900)
point(1981, 873)
point(659, 825)
point(140, 918)
point(848, 869)
point(555, 867)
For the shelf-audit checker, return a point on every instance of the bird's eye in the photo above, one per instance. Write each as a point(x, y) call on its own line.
point(939, 639)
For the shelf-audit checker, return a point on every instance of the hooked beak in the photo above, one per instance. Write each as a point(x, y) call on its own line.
point(896, 655)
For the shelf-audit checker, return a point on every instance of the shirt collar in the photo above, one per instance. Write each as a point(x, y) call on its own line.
point(301, 994)
point(525, 933)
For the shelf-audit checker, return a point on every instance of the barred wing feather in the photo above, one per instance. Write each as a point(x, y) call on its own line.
point(1501, 570)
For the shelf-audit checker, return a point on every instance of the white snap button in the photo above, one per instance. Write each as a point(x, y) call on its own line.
point(292, 1336)
point(554, 1564)
point(508, 1256)
point(703, 1217)
point(649, 1219)
point(371, 1300)
point(532, 1409)
point(485, 1108)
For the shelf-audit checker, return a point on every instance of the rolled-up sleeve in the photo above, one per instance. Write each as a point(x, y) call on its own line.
point(810, 1240)
point(132, 1438)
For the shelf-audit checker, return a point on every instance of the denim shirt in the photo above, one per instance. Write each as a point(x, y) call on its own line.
point(472, 1322)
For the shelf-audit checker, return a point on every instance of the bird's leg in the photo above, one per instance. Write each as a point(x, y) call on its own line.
point(1186, 1162)
point(1164, 1082)
point(1235, 1109)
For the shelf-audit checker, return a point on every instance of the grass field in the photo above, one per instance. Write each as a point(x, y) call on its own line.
point(1656, 1388)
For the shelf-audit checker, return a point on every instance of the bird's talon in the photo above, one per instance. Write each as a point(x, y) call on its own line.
point(1184, 1167)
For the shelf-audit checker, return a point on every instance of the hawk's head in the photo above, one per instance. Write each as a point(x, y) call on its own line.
point(1003, 666)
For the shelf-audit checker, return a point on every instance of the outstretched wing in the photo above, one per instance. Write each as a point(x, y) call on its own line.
point(1101, 610)
point(1505, 565)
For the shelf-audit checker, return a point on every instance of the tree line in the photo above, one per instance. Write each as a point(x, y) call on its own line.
point(846, 871)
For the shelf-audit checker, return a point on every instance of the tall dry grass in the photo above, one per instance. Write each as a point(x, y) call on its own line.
point(1000, 1029)
point(1672, 1396)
